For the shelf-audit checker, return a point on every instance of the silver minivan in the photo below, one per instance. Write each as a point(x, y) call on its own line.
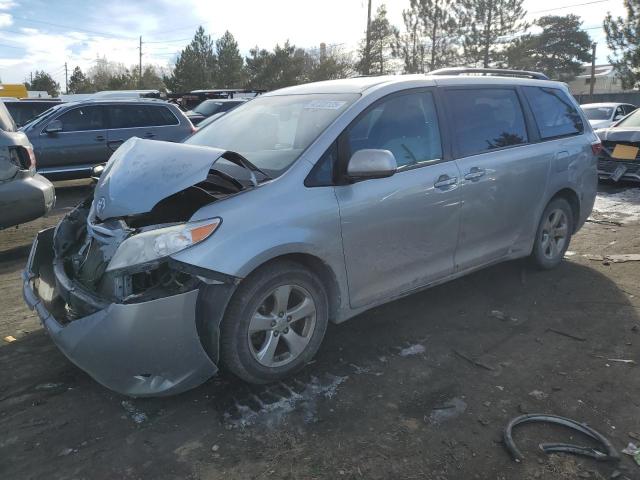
point(305, 206)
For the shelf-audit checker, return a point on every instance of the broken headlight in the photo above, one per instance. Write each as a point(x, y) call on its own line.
point(161, 242)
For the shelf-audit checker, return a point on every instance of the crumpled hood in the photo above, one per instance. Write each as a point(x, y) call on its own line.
point(619, 134)
point(143, 172)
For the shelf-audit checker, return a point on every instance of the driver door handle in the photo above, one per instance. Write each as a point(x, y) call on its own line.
point(445, 181)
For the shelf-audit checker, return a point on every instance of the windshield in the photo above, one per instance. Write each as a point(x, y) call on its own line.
point(208, 108)
point(598, 113)
point(40, 118)
point(272, 132)
point(632, 120)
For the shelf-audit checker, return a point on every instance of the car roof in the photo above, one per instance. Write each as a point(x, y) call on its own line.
point(362, 84)
point(116, 101)
point(223, 100)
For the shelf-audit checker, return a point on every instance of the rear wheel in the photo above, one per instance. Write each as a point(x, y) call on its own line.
point(553, 235)
point(274, 324)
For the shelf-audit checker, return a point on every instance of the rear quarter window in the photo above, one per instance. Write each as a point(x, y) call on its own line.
point(161, 116)
point(554, 112)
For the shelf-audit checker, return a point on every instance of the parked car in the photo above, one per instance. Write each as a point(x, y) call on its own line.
point(24, 195)
point(307, 205)
point(620, 156)
point(211, 107)
point(603, 115)
point(23, 111)
point(72, 138)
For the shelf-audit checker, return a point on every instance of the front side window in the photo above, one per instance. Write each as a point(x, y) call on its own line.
point(486, 119)
point(82, 119)
point(598, 113)
point(554, 112)
point(406, 125)
point(273, 131)
point(129, 116)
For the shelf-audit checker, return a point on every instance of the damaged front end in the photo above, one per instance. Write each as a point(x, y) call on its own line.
point(104, 283)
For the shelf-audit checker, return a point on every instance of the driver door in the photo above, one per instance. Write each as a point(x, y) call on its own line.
point(399, 233)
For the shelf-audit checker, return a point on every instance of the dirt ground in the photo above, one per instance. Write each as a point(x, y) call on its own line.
point(394, 393)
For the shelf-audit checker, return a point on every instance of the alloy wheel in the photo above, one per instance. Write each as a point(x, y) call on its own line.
point(554, 234)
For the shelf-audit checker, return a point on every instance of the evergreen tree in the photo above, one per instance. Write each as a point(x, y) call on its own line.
point(230, 64)
point(623, 38)
point(491, 26)
point(409, 46)
point(196, 65)
point(439, 19)
point(559, 51)
point(42, 81)
point(327, 63)
point(283, 67)
point(376, 60)
point(78, 82)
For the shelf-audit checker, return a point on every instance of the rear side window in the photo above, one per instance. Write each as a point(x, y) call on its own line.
point(129, 116)
point(82, 119)
point(160, 116)
point(6, 122)
point(554, 112)
point(486, 119)
point(406, 125)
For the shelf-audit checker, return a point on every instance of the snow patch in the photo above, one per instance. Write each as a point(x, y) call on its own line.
point(623, 207)
point(412, 350)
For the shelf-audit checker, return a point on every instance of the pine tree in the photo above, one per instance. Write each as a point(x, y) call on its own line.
point(623, 38)
point(558, 51)
point(230, 63)
point(439, 19)
point(490, 29)
point(409, 46)
point(78, 82)
point(382, 36)
point(42, 81)
point(196, 65)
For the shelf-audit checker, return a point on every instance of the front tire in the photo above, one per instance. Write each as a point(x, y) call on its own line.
point(553, 235)
point(274, 323)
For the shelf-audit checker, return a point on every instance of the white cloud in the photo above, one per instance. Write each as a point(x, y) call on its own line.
point(5, 20)
point(7, 4)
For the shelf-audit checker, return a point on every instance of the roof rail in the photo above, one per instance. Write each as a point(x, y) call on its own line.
point(490, 71)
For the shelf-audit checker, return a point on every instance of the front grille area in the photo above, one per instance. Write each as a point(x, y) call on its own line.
point(609, 146)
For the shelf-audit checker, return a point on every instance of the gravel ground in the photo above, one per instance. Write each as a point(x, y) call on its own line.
point(418, 388)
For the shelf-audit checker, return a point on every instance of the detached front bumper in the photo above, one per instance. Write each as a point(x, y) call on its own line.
point(150, 348)
point(607, 170)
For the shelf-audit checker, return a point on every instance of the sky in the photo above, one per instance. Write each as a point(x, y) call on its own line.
point(44, 34)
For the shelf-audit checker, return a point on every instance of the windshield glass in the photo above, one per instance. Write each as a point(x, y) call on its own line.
point(598, 113)
point(43, 116)
point(208, 107)
point(272, 132)
point(632, 120)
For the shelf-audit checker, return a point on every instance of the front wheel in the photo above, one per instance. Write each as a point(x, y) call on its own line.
point(553, 235)
point(274, 323)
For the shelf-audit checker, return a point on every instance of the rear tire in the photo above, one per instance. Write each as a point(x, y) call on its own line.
point(274, 324)
point(553, 235)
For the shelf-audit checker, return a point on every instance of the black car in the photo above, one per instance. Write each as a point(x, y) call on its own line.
point(620, 155)
point(24, 110)
point(210, 107)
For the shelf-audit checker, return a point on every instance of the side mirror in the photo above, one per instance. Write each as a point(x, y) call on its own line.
point(371, 163)
point(54, 127)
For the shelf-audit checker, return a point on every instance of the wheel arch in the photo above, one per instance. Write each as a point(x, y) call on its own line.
point(572, 198)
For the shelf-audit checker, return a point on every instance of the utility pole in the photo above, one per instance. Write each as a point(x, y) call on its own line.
point(592, 81)
point(66, 79)
point(140, 65)
point(367, 53)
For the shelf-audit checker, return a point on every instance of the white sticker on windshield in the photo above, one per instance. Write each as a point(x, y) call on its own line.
point(325, 104)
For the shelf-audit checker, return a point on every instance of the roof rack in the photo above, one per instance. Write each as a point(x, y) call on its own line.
point(490, 71)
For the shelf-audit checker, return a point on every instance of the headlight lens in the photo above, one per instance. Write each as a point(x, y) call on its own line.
point(161, 242)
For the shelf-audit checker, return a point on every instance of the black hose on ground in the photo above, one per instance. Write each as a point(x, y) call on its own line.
point(609, 453)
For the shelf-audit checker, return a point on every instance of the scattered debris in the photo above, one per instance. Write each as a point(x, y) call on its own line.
point(538, 394)
point(634, 451)
point(215, 448)
point(635, 436)
point(138, 416)
point(412, 350)
point(609, 453)
point(624, 257)
point(596, 258)
point(9, 338)
point(569, 253)
point(617, 360)
point(474, 361)
point(568, 335)
point(604, 222)
point(48, 386)
point(67, 451)
point(498, 314)
point(451, 409)
point(358, 370)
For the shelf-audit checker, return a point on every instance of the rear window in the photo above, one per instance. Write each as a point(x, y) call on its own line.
point(6, 122)
point(554, 112)
point(159, 116)
point(23, 112)
point(486, 119)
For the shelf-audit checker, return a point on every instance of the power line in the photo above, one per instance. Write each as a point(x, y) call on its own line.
point(76, 29)
point(568, 6)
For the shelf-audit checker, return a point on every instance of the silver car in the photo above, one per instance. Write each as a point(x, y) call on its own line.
point(305, 206)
